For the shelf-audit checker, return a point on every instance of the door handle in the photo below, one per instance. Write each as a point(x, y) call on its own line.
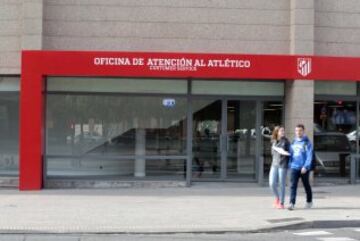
point(226, 142)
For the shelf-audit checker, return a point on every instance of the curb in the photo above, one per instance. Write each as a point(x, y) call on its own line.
point(324, 224)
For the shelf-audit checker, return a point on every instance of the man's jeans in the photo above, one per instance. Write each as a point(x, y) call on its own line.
point(277, 178)
point(295, 175)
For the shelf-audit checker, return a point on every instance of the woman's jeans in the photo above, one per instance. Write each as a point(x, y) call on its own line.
point(295, 175)
point(277, 178)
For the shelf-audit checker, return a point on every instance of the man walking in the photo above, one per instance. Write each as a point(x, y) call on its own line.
point(301, 154)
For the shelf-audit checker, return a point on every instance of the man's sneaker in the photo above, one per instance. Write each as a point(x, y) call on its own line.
point(291, 207)
point(308, 205)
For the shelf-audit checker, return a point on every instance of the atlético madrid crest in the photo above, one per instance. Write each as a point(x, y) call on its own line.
point(304, 66)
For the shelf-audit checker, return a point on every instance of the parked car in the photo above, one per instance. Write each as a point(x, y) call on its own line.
point(352, 138)
point(318, 128)
point(332, 152)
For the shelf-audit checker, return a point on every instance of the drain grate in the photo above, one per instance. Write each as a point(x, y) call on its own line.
point(284, 220)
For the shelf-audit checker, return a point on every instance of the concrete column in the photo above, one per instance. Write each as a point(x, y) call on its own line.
point(140, 162)
point(299, 94)
point(32, 24)
point(299, 106)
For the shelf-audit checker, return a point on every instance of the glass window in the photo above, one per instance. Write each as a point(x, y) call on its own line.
point(245, 88)
point(335, 88)
point(96, 129)
point(9, 83)
point(356, 141)
point(272, 116)
point(336, 143)
point(113, 85)
point(334, 136)
point(60, 167)
point(9, 126)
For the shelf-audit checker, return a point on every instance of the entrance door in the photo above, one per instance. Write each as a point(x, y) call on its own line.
point(241, 139)
point(207, 129)
point(224, 139)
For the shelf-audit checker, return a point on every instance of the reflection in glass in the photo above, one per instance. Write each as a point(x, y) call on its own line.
point(9, 137)
point(272, 116)
point(88, 126)
point(114, 168)
point(206, 138)
point(241, 128)
point(334, 136)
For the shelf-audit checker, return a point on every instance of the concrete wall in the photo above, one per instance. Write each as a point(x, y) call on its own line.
point(323, 27)
point(256, 26)
point(10, 36)
point(32, 24)
point(337, 27)
point(20, 28)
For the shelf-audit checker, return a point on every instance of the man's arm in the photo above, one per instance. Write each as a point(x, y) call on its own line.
point(309, 156)
point(291, 154)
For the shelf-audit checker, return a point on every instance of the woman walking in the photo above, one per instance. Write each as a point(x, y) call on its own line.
point(279, 165)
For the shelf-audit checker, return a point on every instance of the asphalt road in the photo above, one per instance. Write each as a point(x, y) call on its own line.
point(342, 234)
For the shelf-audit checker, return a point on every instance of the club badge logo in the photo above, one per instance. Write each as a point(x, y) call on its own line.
point(304, 66)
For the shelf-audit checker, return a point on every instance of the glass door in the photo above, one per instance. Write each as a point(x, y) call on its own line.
point(207, 123)
point(241, 139)
point(226, 139)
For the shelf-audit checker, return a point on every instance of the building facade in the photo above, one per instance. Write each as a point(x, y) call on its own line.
point(148, 127)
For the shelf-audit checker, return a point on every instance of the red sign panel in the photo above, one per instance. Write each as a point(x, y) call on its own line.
point(184, 65)
point(38, 64)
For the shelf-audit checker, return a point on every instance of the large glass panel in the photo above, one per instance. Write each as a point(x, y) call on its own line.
point(245, 88)
point(92, 129)
point(206, 138)
point(335, 88)
point(334, 136)
point(9, 137)
point(272, 116)
point(9, 83)
point(356, 149)
point(61, 167)
point(77, 84)
point(241, 126)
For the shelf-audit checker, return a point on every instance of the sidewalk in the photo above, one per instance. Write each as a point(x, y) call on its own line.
point(205, 207)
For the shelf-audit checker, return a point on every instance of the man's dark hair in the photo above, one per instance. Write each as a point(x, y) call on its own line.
point(300, 126)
